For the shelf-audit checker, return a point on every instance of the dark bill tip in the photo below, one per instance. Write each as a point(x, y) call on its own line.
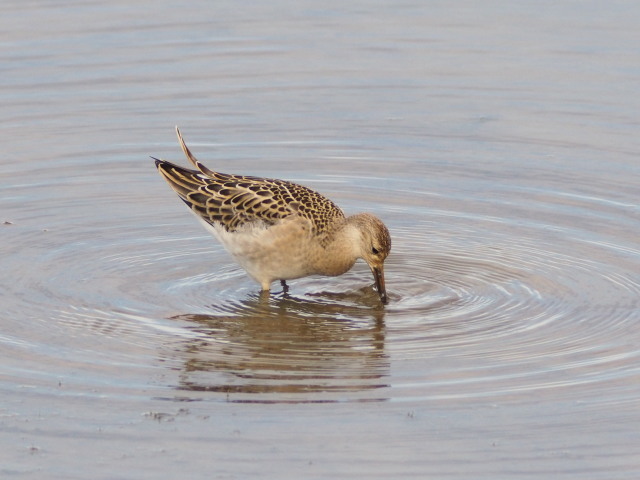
point(383, 298)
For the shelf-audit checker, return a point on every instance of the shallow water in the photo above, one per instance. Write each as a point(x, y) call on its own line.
point(498, 144)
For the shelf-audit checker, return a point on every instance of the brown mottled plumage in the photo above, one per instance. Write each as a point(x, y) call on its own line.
point(278, 230)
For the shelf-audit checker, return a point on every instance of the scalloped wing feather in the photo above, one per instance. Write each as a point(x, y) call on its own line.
point(235, 201)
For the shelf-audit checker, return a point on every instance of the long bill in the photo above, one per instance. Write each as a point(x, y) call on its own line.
point(378, 275)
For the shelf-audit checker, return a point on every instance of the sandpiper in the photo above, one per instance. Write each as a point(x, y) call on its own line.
point(278, 230)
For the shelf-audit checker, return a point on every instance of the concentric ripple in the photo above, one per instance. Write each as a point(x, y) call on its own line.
point(496, 309)
point(512, 309)
point(498, 300)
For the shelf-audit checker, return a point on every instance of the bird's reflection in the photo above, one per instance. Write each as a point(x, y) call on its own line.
point(283, 349)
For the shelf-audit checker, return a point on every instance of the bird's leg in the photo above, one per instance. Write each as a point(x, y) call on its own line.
point(285, 287)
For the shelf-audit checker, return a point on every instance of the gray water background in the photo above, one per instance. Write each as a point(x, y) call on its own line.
point(498, 141)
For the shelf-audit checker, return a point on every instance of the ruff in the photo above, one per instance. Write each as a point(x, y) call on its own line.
point(278, 230)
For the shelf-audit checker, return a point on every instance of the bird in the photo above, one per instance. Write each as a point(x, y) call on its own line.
point(276, 229)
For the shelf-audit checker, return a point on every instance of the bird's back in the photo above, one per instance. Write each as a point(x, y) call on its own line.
point(234, 201)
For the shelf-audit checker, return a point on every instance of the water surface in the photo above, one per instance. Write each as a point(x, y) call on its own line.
point(499, 145)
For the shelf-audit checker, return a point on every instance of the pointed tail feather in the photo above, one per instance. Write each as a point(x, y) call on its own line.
point(190, 155)
point(182, 180)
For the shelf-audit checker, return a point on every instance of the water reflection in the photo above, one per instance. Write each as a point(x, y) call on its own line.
point(286, 349)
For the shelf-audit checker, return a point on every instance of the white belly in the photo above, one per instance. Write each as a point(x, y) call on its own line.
point(269, 253)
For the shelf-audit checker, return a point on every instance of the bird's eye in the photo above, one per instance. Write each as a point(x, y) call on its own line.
point(374, 250)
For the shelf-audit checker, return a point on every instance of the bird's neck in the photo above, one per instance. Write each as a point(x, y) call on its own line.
point(341, 250)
